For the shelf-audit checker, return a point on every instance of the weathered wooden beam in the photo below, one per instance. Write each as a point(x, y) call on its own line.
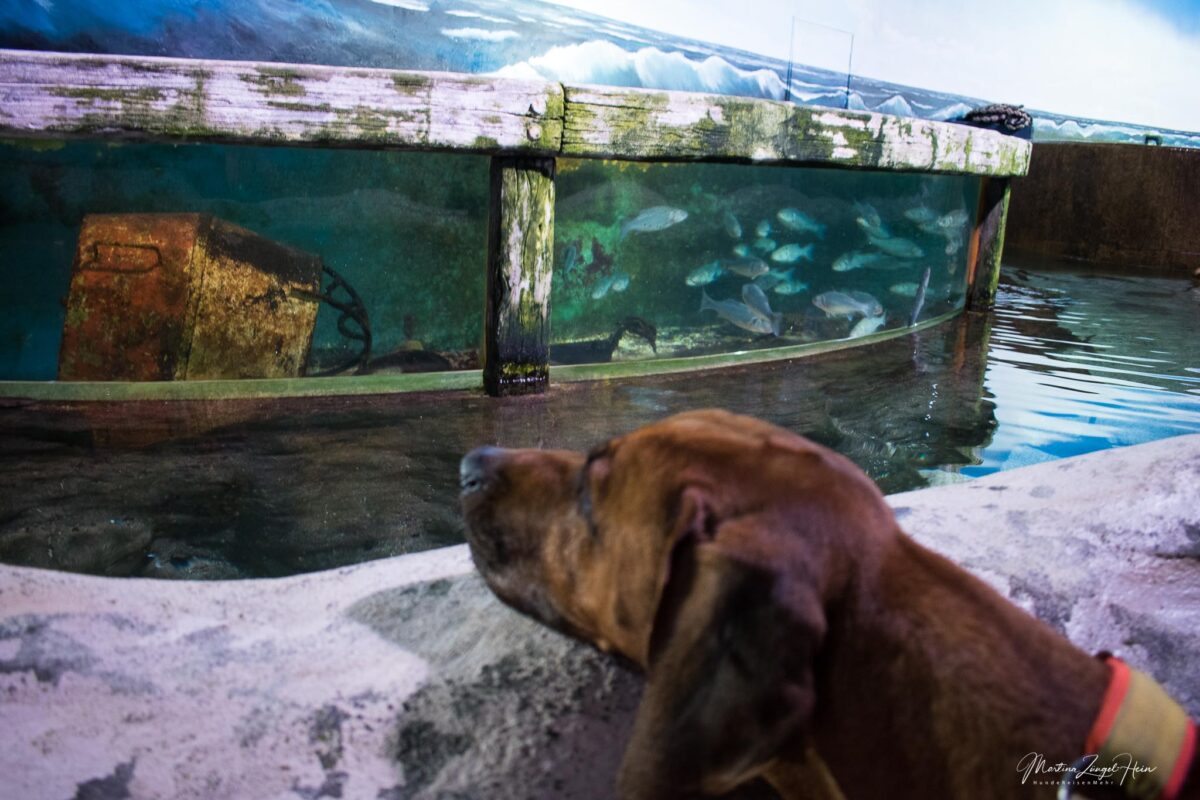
point(520, 262)
point(61, 94)
point(57, 94)
point(984, 271)
point(604, 122)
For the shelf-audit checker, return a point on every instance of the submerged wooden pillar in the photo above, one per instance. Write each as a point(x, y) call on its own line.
point(516, 354)
point(988, 245)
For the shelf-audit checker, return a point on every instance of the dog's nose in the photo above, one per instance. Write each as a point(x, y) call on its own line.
point(478, 467)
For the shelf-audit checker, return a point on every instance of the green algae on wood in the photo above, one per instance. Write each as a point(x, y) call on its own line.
point(51, 94)
point(604, 122)
point(520, 263)
point(57, 94)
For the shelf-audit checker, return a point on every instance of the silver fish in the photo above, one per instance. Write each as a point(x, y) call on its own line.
point(900, 248)
point(847, 304)
point(873, 231)
point(953, 246)
point(774, 278)
point(799, 221)
point(620, 281)
point(921, 214)
point(955, 219)
point(905, 289)
point(749, 267)
point(762, 229)
point(869, 221)
point(570, 256)
point(602, 287)
point(731, 225)
point(790, 286)
point(791, 253)
point(757, 302)
point(705, 274)
point(856, 259)
point(867, 326)
point(742, 250)
point(655, 218)
point(738, 313)
point(919, 303)
point(765, 245)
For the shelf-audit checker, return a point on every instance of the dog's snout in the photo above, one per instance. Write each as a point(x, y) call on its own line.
point(478, 467)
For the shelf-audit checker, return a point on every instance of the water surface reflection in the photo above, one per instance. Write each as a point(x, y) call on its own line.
point(265, 488)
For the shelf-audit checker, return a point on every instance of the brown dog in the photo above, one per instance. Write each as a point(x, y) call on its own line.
point(763, 584)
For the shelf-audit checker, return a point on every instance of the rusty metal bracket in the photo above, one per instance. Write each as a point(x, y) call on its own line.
point(351, 310)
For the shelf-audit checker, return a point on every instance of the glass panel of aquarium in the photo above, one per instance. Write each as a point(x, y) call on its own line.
point(673, 260)
point(202, 261)
point(819, 63)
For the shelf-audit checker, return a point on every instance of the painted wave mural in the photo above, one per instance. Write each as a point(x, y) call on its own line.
point(518, 39)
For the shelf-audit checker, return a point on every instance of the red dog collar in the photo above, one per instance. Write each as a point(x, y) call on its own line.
point(1138, 723)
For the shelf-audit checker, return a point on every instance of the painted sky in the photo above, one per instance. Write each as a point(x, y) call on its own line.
point(1125, 60)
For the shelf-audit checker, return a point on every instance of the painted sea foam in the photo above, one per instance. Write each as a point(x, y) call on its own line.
point(520, 38)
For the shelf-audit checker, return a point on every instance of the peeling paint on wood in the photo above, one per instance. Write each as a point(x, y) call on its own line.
point(57, 94)
point(520, 264)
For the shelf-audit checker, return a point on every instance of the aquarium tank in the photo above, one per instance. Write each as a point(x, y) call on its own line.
point(405, 231)
point(652, 260)
point(676, 260)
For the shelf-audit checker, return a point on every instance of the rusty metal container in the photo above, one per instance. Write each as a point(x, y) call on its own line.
point(167, 297)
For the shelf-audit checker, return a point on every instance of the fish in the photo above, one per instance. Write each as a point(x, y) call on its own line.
point(570, 256)
point(905, 289)
point(872, 231)
point(921, 214)
point(731, 225)
point(620, 281)
point(920, 300)
point(765, 245)
point(799, 221)
point(756, 301)
point(868, 214)
point(948, 224)
point(743, 250)
point(953, 246)
point(847, 304)
point(791, 253)
point(867, 326)
point(869, 221)
point(749, 267)
point(603, 287)
point(955, 219)
point(737, 313)
point(791, 286)
point(774, 278)
point(655, 218)
point(762, 229)
point(855, 260)
point(900, 248)
point(705, 274)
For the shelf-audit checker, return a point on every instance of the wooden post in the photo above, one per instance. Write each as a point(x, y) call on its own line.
point(985, 264)
point(516, 354)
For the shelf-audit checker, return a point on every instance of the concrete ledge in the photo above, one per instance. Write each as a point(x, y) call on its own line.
point(403, 678)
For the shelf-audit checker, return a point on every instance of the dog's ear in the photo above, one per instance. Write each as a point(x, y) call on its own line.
point(730, 665)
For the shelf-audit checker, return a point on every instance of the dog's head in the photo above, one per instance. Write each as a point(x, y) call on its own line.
point(700, 547)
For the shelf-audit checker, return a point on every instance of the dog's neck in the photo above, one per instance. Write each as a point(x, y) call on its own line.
point(928, 677)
